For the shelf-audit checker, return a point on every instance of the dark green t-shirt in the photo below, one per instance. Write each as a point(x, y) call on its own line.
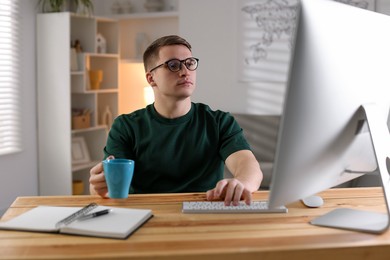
point(184, 154)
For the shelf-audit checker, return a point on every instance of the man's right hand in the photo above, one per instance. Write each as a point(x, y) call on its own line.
point(97, 180)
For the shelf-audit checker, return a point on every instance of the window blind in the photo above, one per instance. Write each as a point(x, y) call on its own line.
point(10, 116)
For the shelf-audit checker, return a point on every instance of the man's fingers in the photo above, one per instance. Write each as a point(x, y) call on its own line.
point(231, 191)
point(210, 194)
point(247, 196)
point(238, 190)
point(97, 181)
point(219, 189)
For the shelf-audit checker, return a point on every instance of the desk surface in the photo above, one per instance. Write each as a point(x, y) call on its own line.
point(173, 235)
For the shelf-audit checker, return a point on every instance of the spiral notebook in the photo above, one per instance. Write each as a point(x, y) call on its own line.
point(119, 223)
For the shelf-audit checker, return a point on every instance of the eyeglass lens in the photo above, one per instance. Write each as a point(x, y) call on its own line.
point(175, 65)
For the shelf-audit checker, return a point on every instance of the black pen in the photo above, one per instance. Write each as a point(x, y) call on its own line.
point(95, 214)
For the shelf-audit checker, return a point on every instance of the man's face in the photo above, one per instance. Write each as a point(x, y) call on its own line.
point(167, 84)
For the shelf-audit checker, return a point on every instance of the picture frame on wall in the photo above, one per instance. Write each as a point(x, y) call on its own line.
point(265, 39)
point(266, 35)
point(80, 153)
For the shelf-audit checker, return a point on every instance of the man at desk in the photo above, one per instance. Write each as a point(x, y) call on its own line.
point(178, 145)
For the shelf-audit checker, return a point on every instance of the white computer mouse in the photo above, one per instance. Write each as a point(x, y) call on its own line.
point(313, 201)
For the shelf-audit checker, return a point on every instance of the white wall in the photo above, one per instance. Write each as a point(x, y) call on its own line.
point(210, 27)
point(19, 172)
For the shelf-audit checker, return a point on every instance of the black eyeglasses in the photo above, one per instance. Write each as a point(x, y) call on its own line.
point(174, 65)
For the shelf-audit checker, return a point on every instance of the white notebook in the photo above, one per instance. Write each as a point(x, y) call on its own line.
point(119, 223)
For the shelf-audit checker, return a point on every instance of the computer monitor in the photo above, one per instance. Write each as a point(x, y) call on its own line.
point(334, 122)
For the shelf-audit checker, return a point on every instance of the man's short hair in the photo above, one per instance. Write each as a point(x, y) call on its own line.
point(152, 52)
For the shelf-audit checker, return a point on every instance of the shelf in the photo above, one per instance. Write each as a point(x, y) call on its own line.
point(97, 91)
point(132, 60)
point(103, 55)
point(89, 129)
point(83, 166)
point(77, 73)
point(101, 19)
point(146, 15)
point(109, 90)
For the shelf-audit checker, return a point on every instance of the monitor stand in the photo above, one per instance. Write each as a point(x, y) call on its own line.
point(359, 220)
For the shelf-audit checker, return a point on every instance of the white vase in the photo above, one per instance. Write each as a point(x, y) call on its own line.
point(74, 66)
point(107, 117)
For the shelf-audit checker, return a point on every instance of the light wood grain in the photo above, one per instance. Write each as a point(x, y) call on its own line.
point(173, 235)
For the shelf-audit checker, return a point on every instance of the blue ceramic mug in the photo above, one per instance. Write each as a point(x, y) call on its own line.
point(118, 173)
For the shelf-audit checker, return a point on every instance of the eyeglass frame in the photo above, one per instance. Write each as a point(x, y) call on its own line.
point(180, 66)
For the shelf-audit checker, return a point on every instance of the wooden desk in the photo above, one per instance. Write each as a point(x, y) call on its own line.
point(173, 235)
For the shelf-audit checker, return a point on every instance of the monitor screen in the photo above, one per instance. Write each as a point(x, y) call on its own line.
point(337, 102)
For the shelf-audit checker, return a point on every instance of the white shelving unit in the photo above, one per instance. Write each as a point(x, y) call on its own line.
point(146, 15)
point(60, 90)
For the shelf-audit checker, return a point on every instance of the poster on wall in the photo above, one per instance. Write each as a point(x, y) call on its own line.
point(266, 34)
point(266, 30)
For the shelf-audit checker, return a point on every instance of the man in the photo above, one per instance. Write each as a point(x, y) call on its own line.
point(177, 145)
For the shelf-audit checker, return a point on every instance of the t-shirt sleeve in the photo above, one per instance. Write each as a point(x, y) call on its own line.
point(232, 136)
point(119, 140)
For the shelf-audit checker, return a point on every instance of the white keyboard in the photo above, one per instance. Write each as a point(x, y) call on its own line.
point(219, 207)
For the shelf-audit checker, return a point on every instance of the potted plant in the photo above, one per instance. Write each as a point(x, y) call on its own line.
point(81, 6)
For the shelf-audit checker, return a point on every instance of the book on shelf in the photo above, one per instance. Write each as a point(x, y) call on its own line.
point(114, 223)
